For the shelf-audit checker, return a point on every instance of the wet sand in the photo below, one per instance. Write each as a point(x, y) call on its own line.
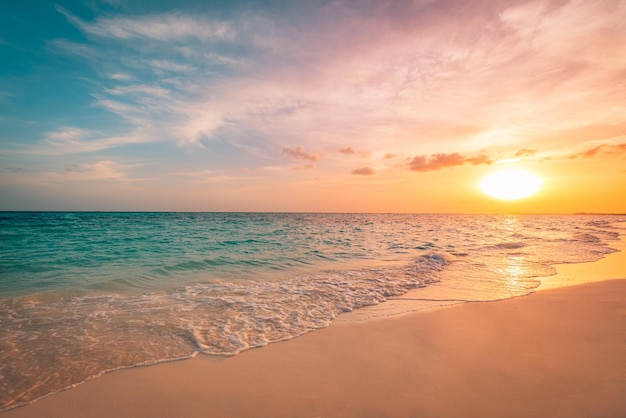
point(559, 352)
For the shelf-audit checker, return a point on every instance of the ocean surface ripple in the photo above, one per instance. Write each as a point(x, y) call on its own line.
point(86, 293)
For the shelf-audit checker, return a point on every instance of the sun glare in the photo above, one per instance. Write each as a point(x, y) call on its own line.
point(511, 184)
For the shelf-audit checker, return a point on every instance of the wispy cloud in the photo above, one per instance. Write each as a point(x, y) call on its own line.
point(102, 170)
point(382, 75)
point(80, 50)
point(393, 69)
point(139, 89)
point(365, 87)
point(607, 149)
point(68, 134)
point(160, 27)
point(109, 171)
point(73, 140)
point(172, 66)
point(525, 152)
point(120, 76)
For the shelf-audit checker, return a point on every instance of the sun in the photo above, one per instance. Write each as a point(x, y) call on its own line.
point(511, 184)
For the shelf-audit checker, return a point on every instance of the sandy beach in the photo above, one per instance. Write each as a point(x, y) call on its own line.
point(558, 352)
point(312, 209)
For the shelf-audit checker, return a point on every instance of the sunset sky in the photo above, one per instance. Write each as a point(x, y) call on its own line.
point(343, 106)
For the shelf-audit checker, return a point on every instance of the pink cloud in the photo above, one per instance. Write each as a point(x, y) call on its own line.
point(591, 152)
point(604, 148)
point(364, 171)
point(440, 160)
point(351, 151)
point(479, 159)
point(300, 153)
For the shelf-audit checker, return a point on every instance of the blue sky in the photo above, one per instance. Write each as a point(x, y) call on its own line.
point(321, 105)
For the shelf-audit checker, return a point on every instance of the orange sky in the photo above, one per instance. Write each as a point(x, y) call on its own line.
point(360, 106)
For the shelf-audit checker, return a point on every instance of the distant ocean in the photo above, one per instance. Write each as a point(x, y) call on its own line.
point(85, 293)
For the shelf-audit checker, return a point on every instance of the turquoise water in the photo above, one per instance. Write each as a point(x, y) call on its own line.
point(85, 293)
point(144, 251)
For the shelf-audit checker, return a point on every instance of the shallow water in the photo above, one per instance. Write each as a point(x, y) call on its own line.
point(83, 293)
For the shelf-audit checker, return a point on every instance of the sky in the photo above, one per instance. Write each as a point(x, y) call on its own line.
point(316, 106)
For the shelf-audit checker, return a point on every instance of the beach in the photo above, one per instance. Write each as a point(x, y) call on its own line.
point(312, 209)
point(556, 352)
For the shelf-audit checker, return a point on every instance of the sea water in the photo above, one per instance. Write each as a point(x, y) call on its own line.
point(85, 293)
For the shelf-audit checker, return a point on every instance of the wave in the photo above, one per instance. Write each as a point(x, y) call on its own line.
point(84, 335)
point(510, 245)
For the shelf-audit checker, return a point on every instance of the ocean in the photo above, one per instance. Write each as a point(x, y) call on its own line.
point(82, 293)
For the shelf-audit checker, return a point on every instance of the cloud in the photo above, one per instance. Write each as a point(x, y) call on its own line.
point(80, 50)
point(304, 167)
point(617, 149)
point(105, 170)
point(439, 161)
point(258, 80)
point(91, 174)
point(390, 156)
point(364, 171)
point(171, 66)
point(525, 152)
point(479, 159)
point(102, 170)
point(300, 153)
point(351, 151)
point(591, 152)
point(609, 149)
point(139, 89)
point(120, 77)
point(158, 27)
point(73, 140)
point(68, 134)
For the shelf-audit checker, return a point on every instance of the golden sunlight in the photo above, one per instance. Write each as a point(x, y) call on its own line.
point(511, 184)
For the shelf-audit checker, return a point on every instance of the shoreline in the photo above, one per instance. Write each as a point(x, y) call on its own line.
point(555, 352)
point(608, 267)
